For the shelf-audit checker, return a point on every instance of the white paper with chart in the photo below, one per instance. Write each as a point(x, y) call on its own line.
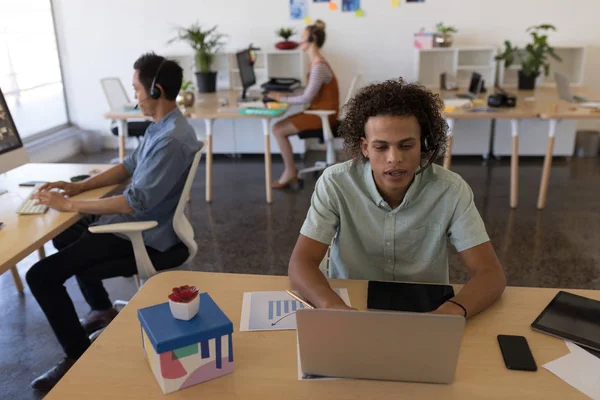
point(269, 311)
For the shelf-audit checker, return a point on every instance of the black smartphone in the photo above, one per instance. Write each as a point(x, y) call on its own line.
point(516, 352)
point(31, 183)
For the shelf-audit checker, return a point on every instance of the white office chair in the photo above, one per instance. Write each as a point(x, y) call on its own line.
point(328, 136)
point(117, 99)
point(181, 225)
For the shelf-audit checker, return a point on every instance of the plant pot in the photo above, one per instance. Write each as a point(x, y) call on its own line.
point(443, 40)
point(185, 311)
point(206, 82)
point(286, 45)
point(526, 82)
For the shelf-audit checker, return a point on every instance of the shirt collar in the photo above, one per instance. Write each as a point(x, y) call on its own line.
point(174, 113)
point(376, 196)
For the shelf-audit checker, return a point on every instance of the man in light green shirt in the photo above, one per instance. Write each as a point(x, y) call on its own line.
point(389, 212)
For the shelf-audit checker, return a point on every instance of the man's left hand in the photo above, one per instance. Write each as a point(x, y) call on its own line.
point(54, 200)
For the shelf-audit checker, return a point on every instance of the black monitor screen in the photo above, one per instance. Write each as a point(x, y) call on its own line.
point(9, 137)
point(475, 83)
point(246, 69)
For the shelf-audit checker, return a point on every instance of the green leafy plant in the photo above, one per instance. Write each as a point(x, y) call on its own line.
point(445, 29)
point(286, 33)
point(535, 56)
point(187, 86)
point(205, 42)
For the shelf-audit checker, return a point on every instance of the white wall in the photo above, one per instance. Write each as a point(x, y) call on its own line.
point(103, 38)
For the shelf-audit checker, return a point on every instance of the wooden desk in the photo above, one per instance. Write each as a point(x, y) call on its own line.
point(266, 362)
point(530, 104)
point(206, 107)
point(23, 234)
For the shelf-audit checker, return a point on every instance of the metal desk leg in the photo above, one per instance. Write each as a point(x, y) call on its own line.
point(268, 177)
point(514, 164)
point(208, 124)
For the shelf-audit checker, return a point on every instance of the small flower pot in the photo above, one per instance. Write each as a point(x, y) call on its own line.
point(286, 45)
point(185, 311)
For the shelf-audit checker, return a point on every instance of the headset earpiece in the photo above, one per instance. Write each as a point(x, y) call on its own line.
point(155, 91)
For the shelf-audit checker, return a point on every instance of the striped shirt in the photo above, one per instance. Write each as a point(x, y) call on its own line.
point(320, 74)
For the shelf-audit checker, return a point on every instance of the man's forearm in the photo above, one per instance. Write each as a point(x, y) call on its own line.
point(111, 205)
point(479, 293)
point(312, 285)
point(113, 176)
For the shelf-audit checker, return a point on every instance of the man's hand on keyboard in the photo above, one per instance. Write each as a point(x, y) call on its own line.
point(54, 200)
point(69, 188)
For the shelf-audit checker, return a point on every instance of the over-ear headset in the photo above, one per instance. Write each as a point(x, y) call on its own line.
point(155, 91)
point(426, 149)
point(311, 34)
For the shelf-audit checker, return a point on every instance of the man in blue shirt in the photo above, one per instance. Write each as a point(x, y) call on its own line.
point(158, 169)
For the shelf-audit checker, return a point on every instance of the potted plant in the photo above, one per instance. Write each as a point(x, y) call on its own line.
point(534, 58)
point(286, 44)
point(184, 302)
point(206, 43)
point(186, 94)
point(443, 35)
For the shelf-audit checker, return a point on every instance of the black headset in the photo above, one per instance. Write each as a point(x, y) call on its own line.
point(311, 34)
point(435, 151)
point(155, 91)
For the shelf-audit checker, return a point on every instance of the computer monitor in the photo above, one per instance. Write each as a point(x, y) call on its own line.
point(247, 75)
point(12, 152)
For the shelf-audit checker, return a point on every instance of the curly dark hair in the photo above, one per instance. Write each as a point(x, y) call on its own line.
point(396, 98)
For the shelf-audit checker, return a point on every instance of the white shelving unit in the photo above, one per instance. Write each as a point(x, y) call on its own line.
point(244, 136)
point(460, 61)
point(573, 61)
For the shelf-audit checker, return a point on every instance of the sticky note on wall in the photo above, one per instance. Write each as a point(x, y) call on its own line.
point(332, 5)
point(395, 3)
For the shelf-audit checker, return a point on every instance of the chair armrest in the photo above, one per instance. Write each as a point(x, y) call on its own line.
point(320, 113)
point(125, 227)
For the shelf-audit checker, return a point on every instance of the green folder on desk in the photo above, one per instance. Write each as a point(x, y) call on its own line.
point(267, 112)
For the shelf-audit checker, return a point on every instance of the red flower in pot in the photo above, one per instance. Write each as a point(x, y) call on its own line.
point(286, 44)
point(184, 294)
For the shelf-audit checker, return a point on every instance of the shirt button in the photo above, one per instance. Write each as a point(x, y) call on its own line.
point(388, 244)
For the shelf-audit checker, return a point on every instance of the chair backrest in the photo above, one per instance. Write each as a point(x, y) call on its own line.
point(115, 93)
point(352, 87)
point(182, 227)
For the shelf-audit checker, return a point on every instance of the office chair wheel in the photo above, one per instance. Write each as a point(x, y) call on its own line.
point(300, 183)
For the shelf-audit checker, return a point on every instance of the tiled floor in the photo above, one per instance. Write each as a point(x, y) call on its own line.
point(238, 232)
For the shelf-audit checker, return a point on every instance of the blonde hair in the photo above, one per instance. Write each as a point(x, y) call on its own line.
point(316, 33)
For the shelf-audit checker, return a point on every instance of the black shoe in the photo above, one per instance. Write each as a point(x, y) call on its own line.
point(46, 382)
point(97, 320)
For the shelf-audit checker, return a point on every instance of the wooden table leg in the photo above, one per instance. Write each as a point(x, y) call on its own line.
point(208, 124)
point(42, 253)
point(17, 279)
point(268, 172)
point(123, 133)
point(514, 164)
point(547, 165)
point(450, 133)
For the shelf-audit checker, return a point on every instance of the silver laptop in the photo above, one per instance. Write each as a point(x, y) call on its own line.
point(395, 346)
point(564, 89)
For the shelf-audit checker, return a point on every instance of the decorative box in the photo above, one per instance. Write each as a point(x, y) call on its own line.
point(185, 353)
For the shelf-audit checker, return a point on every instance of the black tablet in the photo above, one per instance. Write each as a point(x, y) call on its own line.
point(572, 317)
point(400, 296)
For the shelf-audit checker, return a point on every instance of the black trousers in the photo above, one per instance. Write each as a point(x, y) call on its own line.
point(90, 258)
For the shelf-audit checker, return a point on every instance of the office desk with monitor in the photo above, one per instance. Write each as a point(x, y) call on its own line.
point(209, 108)
point(534, 104)
point(266, 362)
point(23, 234)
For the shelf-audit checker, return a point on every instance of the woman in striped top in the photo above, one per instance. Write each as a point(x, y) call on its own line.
point(321, 93)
